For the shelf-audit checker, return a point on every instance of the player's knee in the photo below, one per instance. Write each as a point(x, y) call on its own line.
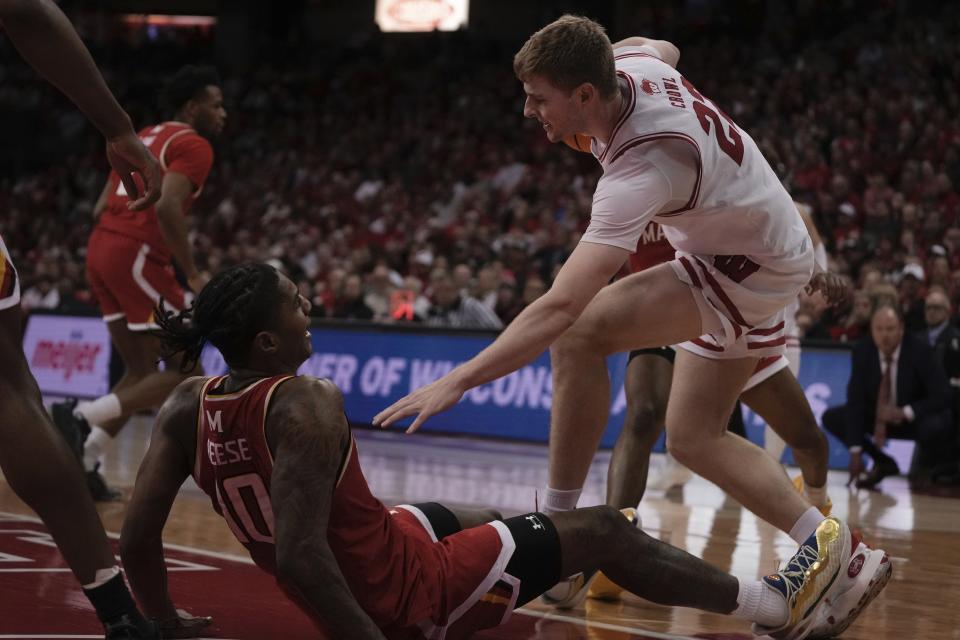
point(644, 416)
point(812, 441)
point(570, 346)
point(606, 522)
point(686, 451)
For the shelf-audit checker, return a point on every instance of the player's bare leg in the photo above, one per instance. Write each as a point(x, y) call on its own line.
point(648, 309)
point(773, 444)
point(26, 435)
point(780, 401)
point(43, 472)
point(647, 387)
point(704, 392)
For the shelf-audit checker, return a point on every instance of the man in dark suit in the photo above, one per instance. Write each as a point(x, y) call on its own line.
point(944, 339)
point(897, 389)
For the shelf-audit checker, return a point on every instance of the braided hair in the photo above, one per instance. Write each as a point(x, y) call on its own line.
point(231, 309)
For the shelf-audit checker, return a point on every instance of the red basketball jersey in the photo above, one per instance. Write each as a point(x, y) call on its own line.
point(178, 148)
point(652, 249)
point(380, 562)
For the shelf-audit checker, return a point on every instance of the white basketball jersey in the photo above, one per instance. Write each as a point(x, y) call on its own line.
point(738, 206)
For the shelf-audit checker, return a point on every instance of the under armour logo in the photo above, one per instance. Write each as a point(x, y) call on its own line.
point(535, 522)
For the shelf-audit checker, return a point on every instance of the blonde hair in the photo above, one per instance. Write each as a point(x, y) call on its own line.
point(569, 52)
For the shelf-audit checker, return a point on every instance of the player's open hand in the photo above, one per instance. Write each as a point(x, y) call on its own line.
point(424, 402)
point(184, 625)
point(127, 156)
point(833, 287)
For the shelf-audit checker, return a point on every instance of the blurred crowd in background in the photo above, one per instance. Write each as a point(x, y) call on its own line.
point(397, 181)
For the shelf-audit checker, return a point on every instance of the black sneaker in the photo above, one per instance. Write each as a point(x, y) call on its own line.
point(72, 427)
point(128, 629)
point(100, 490)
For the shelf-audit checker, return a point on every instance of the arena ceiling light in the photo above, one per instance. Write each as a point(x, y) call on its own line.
point(161, 20)
point(422, 15)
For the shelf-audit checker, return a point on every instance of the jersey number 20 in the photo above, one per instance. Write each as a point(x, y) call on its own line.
point(732, 145)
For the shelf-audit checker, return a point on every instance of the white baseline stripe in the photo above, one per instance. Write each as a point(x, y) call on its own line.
point(599, 625)
point(116, 536)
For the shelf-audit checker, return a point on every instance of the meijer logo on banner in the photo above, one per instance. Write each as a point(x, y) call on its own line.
point(69, 356)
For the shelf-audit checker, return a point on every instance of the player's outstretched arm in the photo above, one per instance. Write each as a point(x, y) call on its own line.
point(164, 468)
point(309, 437)
point(668, 51)
point(588, 270)
point(48, 42)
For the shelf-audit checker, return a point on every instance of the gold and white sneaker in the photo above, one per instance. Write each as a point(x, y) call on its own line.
point(807, 578)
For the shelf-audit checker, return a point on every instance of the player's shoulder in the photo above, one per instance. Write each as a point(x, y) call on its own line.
point(187, 392)
point(298, 408)
point(308, 393)
point(188, 139)
point(183, 404)
point(637, 59)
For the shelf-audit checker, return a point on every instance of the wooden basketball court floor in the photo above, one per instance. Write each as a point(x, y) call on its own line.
point(212, 575)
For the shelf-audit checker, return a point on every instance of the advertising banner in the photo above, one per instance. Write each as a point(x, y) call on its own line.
point(69, 355)
point(375, 366)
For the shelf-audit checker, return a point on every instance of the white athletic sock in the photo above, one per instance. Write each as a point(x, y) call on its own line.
point(816, 495)
point(759, 603)
point(806, 525)
point(93, 448)
point(555, 500)
point(102, 577)
point(100, 410)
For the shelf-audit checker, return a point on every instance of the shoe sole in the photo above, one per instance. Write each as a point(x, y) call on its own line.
point(849, 605)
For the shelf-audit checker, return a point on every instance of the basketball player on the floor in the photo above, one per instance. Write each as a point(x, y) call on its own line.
point(129, 265)
point(742, 256)
point(274, 452)
point(35, 461)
